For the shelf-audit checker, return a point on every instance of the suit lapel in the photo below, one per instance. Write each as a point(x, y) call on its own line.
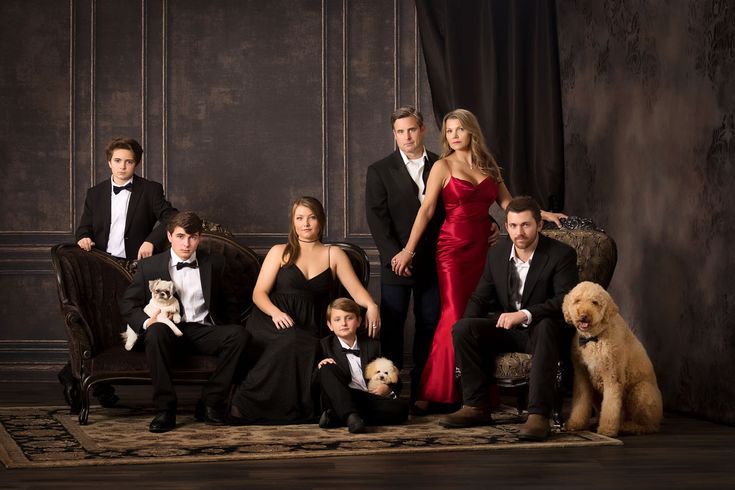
point(106, 210)
point(135, 196)
point(205, 275)
point(540, 259)
point(339, 356)
point(502, 278)
point(403, 180)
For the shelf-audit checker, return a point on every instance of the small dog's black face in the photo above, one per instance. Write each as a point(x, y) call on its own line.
point(161, 291)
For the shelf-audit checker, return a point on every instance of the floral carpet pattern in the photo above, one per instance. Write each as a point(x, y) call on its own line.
point(50, 437)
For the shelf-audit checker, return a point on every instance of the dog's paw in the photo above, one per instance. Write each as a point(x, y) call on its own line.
point(129, 338)
point(607, 430)
point(576, 424)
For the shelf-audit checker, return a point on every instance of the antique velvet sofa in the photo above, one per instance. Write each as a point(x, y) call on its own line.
point(89, 285)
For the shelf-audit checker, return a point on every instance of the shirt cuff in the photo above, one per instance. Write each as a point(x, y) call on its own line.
point(529, 317)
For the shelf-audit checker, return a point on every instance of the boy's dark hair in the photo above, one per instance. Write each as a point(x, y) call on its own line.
point(188, 220)
point(406, 111)
point(524, 203)
point(343, 304)
point(125, 144)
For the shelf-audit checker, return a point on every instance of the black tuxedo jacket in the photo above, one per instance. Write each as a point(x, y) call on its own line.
point(552, 274)
point(218, 299)
point(146, 207)
point(391, 204)
point(369, 351)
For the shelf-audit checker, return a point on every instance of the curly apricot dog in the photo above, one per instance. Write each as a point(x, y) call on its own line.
point(609, 361)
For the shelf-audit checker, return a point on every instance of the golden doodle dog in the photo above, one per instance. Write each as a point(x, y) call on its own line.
point(609, 362)
point(381, 371)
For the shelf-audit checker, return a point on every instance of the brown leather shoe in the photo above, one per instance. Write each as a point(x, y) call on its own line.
point(536, 428)
point(467, 417)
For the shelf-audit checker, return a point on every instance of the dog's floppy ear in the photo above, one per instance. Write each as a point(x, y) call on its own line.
point(370, 370)
point(152, 284)
point(611, 309)
point(566, 305)
point(393, 374)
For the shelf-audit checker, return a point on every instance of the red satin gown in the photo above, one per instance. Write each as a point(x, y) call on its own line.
point(460, 259)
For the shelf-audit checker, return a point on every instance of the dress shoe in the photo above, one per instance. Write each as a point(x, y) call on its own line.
point(536, 428)
point(467, 417)
point(163, 422)
point(329, 419)
point(355, 424)
point(208, 415)
point(419, 408)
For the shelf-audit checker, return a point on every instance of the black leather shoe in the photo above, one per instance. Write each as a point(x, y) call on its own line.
point(208, 415)
point(329, 419)
point(355, 424)
point(163, 422)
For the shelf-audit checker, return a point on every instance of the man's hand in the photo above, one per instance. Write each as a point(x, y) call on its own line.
point(145, 250)
point(510, 320)
point(326, 361)
point(86, 243)
point(381, 390)
point(494, 234)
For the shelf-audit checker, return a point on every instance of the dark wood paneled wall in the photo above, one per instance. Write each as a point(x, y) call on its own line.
point(240, 106)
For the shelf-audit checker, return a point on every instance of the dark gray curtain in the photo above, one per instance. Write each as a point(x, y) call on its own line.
point(499, 59)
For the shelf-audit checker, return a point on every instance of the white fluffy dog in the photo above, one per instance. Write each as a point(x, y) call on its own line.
point(162, 298)
point(381, 371)
point(609, 361)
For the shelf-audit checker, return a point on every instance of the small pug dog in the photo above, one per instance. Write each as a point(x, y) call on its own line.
point(381, 371)
point(162, 298)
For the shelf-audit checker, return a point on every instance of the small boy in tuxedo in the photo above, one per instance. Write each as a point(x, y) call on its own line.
point(345, 395)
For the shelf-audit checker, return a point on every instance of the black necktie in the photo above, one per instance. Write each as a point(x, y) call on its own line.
point(585, 340)
point(355, 352)
point(127, 187)
point(425, 173)
point(193, 264)
point(514, 285)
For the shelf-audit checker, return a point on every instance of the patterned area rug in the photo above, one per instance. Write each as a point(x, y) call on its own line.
point(35, 437)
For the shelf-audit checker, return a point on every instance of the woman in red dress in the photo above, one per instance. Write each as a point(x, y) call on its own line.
point(469, 181)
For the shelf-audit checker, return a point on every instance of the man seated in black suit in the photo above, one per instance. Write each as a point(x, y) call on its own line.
point(120, 214)
point(516, 307)
point(345, 394)
point(209, 319)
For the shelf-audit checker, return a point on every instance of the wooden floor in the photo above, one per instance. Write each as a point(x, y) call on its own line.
point(687, 453)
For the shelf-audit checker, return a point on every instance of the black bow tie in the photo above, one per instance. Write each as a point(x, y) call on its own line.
point(585, 340)
point(127, 187)
point(355, 352)
point(193, 264)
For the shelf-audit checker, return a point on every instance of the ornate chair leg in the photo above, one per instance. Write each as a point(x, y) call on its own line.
point(84, 395)
point(558, 397)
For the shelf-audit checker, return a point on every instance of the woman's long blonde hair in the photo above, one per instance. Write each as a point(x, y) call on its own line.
point(481, 156)
point(293, 248)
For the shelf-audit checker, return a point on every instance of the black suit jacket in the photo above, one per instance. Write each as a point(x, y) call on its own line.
point(552, 274)
point(391, 204)
point(146, 207)
point(219, 299)
point(369, 351)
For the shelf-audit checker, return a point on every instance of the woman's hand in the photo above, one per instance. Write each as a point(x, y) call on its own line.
point(324, 362)
point(553, 217)
point(282, 320)
point(401, 262)
point(372, 320)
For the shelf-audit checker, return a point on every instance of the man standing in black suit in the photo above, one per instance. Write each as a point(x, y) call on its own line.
point(393, 194)
point(120, 217)
point(120, 214)
point(516, 307)
point(208, 321)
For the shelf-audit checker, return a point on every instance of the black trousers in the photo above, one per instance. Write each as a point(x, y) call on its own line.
point(477, 341)
point(394, 303)
point(227, 342)
point(343, 400)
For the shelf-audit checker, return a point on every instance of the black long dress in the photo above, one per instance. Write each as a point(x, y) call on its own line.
point(277, 385)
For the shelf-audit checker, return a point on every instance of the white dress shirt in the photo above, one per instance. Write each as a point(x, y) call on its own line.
point(358, 380)
point(118, 214)
point(188, 284)
point(522, 268)
point(415, 170)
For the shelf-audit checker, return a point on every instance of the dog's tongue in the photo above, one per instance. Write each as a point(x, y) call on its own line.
point(584, 325)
